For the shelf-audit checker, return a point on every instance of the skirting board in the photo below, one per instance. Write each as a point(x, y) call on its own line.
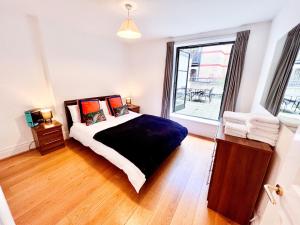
point(16, 149)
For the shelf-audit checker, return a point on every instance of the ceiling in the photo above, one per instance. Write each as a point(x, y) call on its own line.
point(155, 18)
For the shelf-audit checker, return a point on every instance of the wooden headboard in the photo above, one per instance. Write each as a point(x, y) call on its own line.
point(74, 102)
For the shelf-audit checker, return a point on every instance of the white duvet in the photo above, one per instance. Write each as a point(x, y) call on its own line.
point(84, 134)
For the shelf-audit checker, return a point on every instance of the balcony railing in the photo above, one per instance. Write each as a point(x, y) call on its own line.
point(202, 80)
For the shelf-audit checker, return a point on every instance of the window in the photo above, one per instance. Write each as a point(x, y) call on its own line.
point(291, 100)
point(200, 76)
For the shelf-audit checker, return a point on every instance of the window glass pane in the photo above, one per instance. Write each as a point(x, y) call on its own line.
point(183, 62)
point(199, 91)
point(291, 99)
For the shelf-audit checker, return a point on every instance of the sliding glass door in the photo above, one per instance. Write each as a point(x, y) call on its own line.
point(183, 65)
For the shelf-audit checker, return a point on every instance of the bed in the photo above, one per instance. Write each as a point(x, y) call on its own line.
point(154, 139)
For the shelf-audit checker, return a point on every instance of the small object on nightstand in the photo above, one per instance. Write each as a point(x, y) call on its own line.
point(48, 137)
point(134, 108)
point(128, 101)
point(47, 115)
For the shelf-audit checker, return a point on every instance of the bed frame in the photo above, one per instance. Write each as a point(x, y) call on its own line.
point(74, 102)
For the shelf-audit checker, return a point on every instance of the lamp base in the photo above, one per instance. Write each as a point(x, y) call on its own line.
point(48, 121)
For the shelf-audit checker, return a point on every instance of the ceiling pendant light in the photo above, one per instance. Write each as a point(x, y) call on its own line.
point(128, 28)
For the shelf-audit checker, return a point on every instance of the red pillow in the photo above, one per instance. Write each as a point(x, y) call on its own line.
point(88, 106)
point(113, 102)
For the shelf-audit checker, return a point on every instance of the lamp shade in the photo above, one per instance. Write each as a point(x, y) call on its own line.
point(129, 30)
point(47, 114)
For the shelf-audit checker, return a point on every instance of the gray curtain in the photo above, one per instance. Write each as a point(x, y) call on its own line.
point(283, 71)
point(165, 108)
point(234, 72)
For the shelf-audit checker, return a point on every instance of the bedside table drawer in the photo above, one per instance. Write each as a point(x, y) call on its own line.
point(51, 144)
point(50, 135)
point(51, 131)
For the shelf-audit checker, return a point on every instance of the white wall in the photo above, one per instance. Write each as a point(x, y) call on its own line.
point(82, 64)
point(146, 72)
point(43, 64)
point(253, 62)
point(22, 83)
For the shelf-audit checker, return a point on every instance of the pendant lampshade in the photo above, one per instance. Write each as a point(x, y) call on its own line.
point(128, 28)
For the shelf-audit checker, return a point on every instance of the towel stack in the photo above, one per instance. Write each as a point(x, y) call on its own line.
point(235, 123)
point(263, 128)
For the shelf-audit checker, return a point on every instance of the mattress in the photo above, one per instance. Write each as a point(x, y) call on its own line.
point(84, 134)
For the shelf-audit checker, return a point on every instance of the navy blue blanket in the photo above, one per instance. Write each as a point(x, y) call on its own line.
point(145, 141)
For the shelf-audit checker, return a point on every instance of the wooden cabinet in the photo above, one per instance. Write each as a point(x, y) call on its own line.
point(48, 137)
point(134, 108)
point(237, 177)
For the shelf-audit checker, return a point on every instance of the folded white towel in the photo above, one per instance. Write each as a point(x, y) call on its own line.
point(265, 119)
point(262, 139)
point(263, 134)
point(240, 128)
point(264, 125)
point(235, 117)
point(252, 128)
point(234, 133)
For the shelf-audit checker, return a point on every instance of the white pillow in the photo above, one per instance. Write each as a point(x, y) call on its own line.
point(75, 113)
point(104, 107)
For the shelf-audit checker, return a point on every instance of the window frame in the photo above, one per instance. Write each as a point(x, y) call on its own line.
point(175, 74)
point(282, 109)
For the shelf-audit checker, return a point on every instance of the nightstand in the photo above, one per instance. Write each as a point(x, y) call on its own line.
point(48, 137)
point(134, 108)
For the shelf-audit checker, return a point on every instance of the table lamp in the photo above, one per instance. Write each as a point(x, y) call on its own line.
point(47, 115)
point(128, 101)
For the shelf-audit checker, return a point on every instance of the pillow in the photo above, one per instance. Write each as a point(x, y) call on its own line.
point(104, 107)
point(88, 106)
point(113, 102)
point(94, 117)
point(75, 113)
point(120, 111)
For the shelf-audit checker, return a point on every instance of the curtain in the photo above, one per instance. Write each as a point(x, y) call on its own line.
point(283, 71)
point(165, 108)
point(234, 72)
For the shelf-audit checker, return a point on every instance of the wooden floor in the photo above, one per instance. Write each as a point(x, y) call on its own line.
point(75, 186)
